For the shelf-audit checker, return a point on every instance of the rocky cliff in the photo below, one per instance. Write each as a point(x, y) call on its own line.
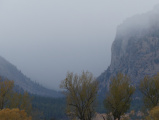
point(135, 50)
point(9, 71)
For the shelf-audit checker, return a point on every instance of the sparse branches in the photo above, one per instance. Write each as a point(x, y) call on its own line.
point(149, 87)
point(81, 92)
point(6, 87)
point(10, 99)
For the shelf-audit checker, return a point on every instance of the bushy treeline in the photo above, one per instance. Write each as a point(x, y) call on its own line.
point(14, 105)
point(82, 100)
point(81, 96)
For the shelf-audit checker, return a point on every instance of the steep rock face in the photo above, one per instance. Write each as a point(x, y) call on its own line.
point(135, 50)
point(9, 71)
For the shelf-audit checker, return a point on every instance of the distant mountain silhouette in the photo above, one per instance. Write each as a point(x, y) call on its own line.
point(9, 71)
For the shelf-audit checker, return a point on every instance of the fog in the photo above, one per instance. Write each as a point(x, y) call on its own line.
point(46, 38)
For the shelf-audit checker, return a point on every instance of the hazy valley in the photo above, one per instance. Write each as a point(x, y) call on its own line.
point(134, 59)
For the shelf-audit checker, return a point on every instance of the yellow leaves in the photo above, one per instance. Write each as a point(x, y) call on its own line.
point(14, 100)
point(149, 86)
point(154, 114)
point(6, 88)
point(21, 101)
point(26, 102)
point(81, 91)
point(13, 114)
point(11, 99)
point(119, 97)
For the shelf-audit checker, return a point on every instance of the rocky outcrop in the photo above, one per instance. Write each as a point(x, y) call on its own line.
point(135, 50)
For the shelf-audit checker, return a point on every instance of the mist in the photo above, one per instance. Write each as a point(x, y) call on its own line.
point(46, 39)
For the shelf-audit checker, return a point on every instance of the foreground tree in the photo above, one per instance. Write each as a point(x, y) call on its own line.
point(119, 96)
point(13, 114)
point(81, 92)
point(153, 114)
point(11, 99)
point(6, 88)
point(21, 101)
point(149, 87)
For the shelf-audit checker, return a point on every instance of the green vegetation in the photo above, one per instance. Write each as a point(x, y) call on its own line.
point(47, 108)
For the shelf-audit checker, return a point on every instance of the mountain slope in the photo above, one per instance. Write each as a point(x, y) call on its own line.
point(135, 50)
point(10, 72)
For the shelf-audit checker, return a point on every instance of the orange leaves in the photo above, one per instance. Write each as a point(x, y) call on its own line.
point(153, 114)
point(10, 99)
point(13, 114)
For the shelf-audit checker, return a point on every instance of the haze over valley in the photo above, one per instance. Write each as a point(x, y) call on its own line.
point(46, 39)
point(104, 56)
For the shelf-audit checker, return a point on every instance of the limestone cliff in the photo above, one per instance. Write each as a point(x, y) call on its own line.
point(135, 50)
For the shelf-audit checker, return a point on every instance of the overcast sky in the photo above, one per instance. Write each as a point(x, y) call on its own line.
point(46, 38)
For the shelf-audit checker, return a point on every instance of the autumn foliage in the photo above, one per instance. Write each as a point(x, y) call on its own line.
point(6, 88)
point(149, 87)
point(119, 97)
point(13, 105)
point(13, 114)
point(153, 114)
point(81, 92)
